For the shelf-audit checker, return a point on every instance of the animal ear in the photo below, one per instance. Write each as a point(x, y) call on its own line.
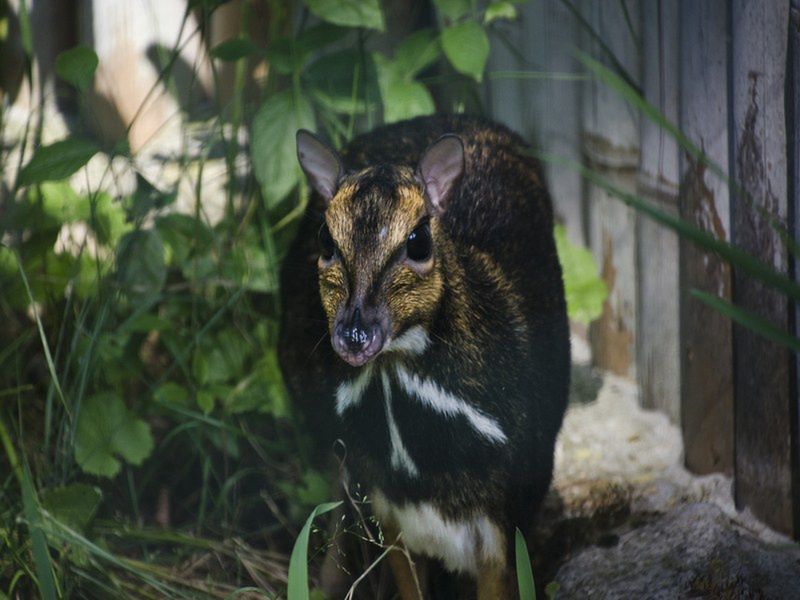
point(440, 170)
point(320, 163)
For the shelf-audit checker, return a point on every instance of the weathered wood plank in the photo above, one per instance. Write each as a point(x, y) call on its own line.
point(761, 368)
point(793, 133)
point(657, 339)
point(611, 146)
point(706, 342)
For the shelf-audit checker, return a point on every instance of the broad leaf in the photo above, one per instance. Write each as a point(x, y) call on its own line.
point(272, 144)
point(416, 52)
point(584, 288)
point(453, 10)
point(73, 505)
point(402, 98)
point(344, 81)
point(77, 66)
point(141, 271)
point(467, 48)
point(233, 49)
point(350, 13)
point(58, 160)
point(107, 432)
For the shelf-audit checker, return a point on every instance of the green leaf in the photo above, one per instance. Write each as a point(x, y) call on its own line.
point(344, 81)
point(73, 505)
point(584, 288)
point(416, 52)
point(298, 563)
point(77, 66)
point(205, 400)
point(171, 393)
point(527, 590)
point(350, 13)
point(500, 10)
point(58, 160)
point(749, 320)
point(467, 48)
point(233, 49)
point(107, 432)
point(401, 98)
point(272, 144)
point(141, 270)
point(453, 9)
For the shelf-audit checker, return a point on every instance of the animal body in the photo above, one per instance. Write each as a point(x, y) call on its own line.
point(425, 324)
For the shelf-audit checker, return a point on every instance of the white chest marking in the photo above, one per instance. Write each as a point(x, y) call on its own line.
point(414, 341)
point(433, 396)
point(463, 545)
point(349, 393)
point(401, 460)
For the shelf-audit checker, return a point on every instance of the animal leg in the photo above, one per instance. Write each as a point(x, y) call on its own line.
point(496, 582)
point(405, 576)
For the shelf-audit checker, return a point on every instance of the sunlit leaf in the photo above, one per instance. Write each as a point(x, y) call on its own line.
point(500, 10)
point(351, 13)
point(467, 48)
point(77, 66)
point(107, 432)
point(584, 288)
point(402, 98)
point(58, 160)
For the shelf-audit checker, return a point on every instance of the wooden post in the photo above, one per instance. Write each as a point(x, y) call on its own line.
point(706, 343)
point(762, 369)
point(128, 92)
point(611, 146)
point(793, 133)
point(657, 339)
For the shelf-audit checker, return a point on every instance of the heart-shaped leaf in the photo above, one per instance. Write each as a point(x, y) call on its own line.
point(467, 48)
point(107, 432)
point(77, 66)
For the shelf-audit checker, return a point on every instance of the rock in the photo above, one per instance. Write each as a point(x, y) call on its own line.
point(694, 551)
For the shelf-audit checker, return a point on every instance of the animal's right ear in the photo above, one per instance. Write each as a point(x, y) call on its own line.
point(320, 163)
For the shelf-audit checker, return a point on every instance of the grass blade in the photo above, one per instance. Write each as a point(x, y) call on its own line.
point(736, 256)
point(749, 320)
point(48, 357)
point(41, 555)
point(527, 590)
point(635, 98)
point(298, 564)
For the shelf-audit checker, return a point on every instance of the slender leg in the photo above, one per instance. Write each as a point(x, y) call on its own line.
point(496, 582)
point(404, 573)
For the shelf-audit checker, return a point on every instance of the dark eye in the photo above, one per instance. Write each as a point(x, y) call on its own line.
point(418, 244)
point(326, 246)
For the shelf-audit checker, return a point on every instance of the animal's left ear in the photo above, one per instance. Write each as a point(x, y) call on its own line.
point(440, 170)
point(321, 164)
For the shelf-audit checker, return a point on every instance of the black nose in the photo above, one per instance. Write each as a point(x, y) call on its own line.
point(355, 334)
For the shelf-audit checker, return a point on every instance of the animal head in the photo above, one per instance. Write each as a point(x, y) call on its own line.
point(381, 244)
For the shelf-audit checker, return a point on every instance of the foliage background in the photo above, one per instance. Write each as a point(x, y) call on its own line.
point(149, 446)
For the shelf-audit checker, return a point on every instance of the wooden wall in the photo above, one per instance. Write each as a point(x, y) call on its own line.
point(727, 74)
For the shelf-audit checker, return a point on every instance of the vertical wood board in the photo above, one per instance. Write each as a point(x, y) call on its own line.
point(610, 146)
point(657, 331)
point(762, 368)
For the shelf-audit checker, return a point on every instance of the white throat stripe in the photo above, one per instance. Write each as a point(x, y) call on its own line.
point(349, 393)
point(430, 394)
point(400, 457)
point(414, 341)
